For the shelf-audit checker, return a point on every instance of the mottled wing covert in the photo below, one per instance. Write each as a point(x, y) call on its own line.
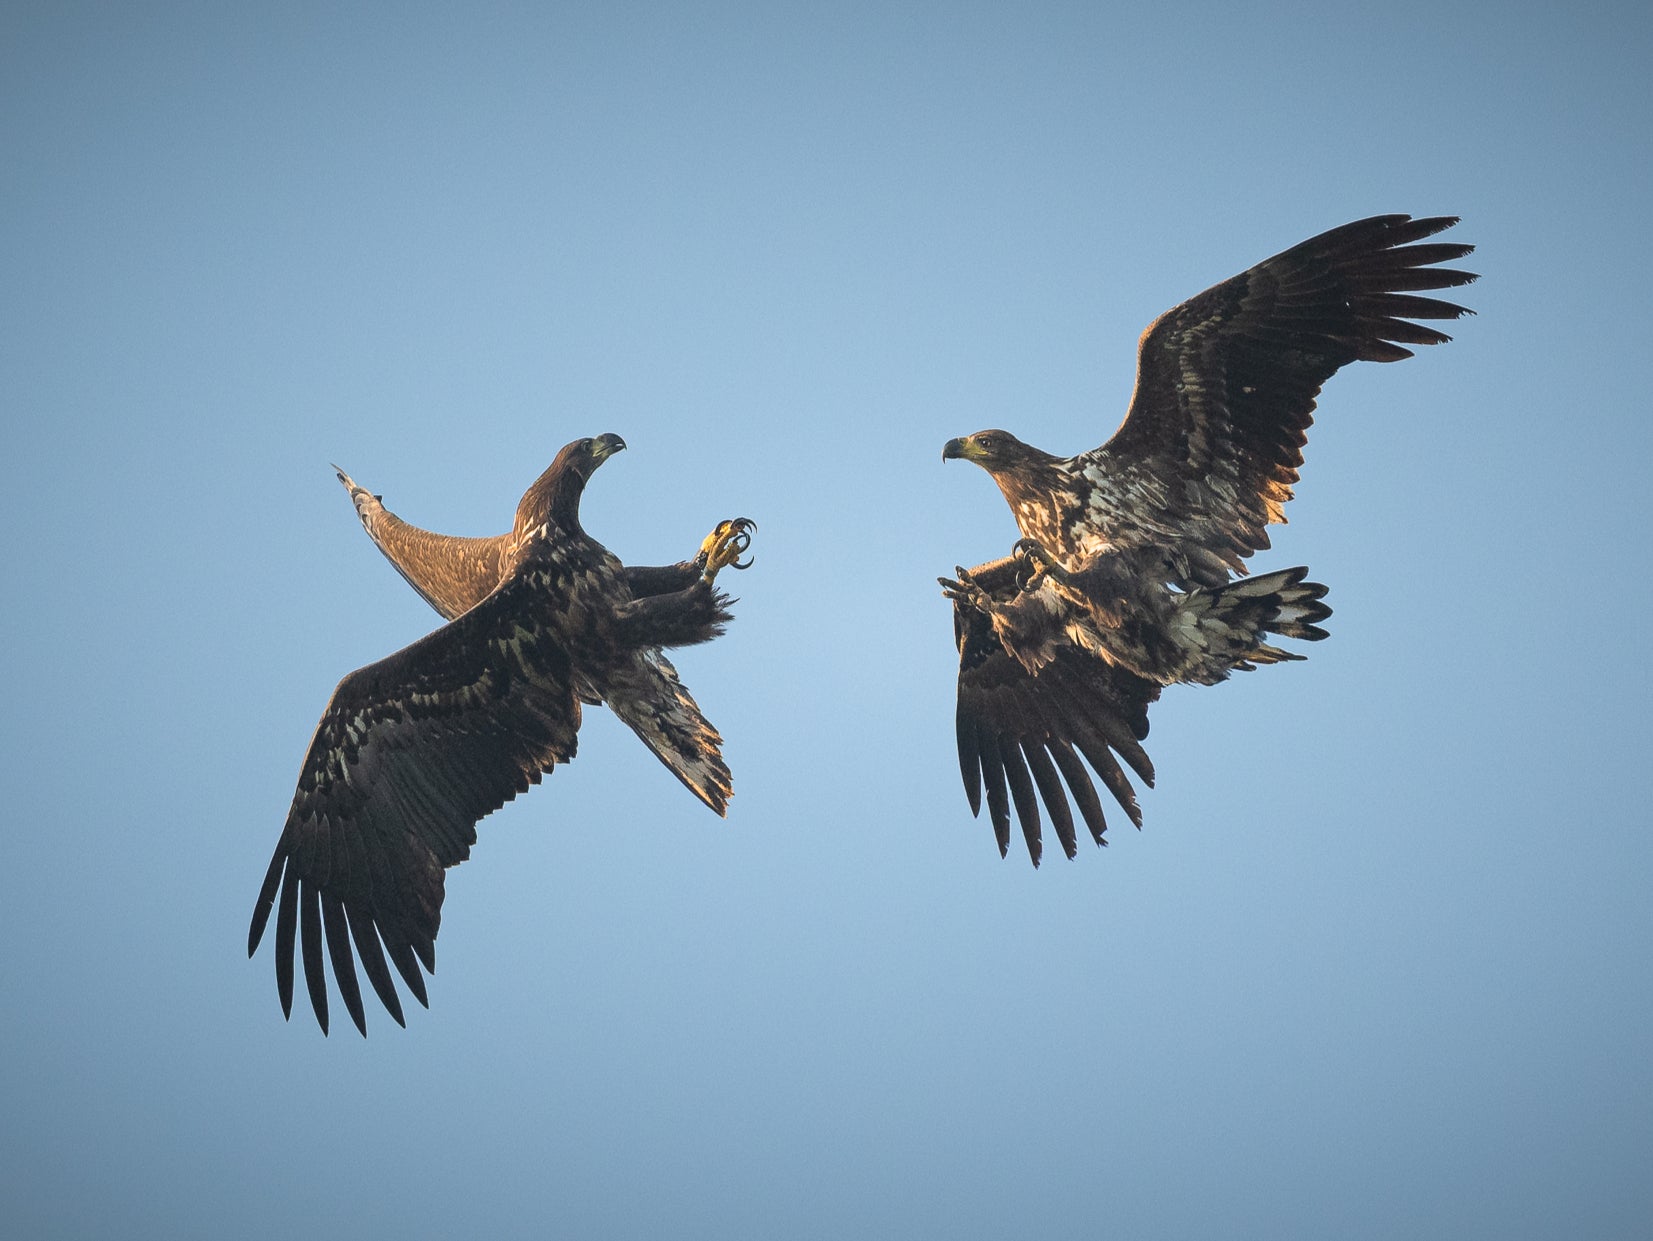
point(1227, 381)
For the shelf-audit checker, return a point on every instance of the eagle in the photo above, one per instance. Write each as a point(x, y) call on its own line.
point(413, 750)
point(1130, 572)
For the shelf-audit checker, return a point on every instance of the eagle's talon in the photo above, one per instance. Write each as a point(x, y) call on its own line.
point(735, 533)
point(1033, 562)
point(965, 590)
point(723, 547)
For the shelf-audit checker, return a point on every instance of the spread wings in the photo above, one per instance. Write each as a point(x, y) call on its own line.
point(1227, 381)
point(409, 754)
point(1023, 736)
point(453, 574)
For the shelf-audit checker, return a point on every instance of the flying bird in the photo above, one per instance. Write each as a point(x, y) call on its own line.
point(454, 573)
point(1129, 575)
point(413, 750)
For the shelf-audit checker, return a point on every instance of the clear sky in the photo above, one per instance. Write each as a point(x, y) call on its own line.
point(1380, 963)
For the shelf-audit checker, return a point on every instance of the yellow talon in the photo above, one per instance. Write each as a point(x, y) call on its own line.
point(723, 547)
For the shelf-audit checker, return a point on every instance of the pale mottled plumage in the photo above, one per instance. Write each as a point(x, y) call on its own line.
point(1123, 581)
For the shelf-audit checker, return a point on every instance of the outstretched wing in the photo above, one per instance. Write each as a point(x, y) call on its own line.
point(1023, 735)
point(451, 573)
point(1227, 381)
point(409, 754)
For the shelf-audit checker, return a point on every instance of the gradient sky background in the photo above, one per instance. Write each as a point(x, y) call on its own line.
point(1379, 965)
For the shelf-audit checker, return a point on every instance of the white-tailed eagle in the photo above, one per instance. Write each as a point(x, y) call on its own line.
point(413, 750)
point(1124, 579)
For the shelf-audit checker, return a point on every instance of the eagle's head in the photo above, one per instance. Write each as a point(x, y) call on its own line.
point(555, 495)
point(583, 456)
point(1013, 464)
point(992, 450)
point(1029, 477)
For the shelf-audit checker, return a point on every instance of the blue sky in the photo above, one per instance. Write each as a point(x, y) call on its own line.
point(1379, 964)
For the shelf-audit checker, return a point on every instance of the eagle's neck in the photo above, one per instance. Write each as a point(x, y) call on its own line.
point(552, 503)
point(1041, 493)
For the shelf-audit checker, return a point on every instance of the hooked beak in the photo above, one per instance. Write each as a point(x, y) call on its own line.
point(605, 446)
point(957, 449)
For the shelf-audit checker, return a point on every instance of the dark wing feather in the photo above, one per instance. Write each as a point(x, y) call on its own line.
point(409, 754)
point(1227, 381)
point(647, 696)
point(1019, 732)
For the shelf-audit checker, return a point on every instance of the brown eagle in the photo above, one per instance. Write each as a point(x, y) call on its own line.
point(1123, 580)
point(413, 750)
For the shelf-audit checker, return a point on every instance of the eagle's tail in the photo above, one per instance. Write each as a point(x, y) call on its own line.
point(653, 703)
point(1223, 630)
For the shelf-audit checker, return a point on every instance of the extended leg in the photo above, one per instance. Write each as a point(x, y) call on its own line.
point(722, 548)
point(1033, 562)
point(966, 590)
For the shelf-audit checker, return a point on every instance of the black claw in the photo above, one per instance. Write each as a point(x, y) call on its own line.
point(743, 540)
point(1034, 561)
point(964, 590)
point(734, 534)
